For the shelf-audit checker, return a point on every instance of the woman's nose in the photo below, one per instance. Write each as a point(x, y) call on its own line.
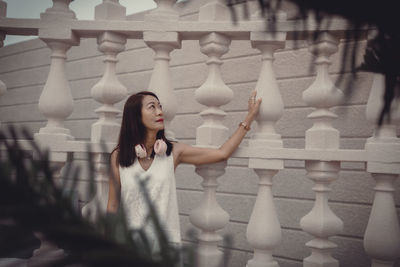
point(159, 111)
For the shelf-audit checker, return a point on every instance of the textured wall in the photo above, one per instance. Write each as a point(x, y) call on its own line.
point(24, 68)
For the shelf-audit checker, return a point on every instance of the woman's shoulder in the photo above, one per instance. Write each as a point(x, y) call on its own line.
point(176, 146)
point(115, 152)
point(114, 156)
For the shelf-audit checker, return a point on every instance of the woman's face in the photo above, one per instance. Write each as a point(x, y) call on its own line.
point(152, 115)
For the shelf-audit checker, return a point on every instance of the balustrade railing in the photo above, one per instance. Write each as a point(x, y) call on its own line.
point(382, 236)
point(163, 31)
point(321, 222)
point(264, 230)
point(163, 43)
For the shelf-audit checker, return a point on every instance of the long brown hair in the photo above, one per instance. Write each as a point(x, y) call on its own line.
point(133, 132)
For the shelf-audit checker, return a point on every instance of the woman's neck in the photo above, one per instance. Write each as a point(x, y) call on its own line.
point(150, 140)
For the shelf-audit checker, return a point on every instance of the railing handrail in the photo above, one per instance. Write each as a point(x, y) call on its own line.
point(188, 30)
point(345, 155)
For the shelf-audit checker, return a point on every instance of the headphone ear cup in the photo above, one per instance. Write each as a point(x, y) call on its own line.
point(160, 147)
point(140, 151)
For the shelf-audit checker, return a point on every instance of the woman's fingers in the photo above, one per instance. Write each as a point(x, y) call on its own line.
point(252, 97)
point(254, 104)
point(257, 104)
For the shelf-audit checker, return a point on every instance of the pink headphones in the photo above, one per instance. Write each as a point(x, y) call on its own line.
point(160, 147)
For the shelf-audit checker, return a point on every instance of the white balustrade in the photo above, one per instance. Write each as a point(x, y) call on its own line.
point(110, 10)
point(264, 231)
point(163, 43)
point(98, 204)
point(60, 9)
point(160, 82)
point(213, 93)
point(321, 222)
point(164, 12)
point(209, 216)
point(108, 91)
point(382, 236)
point(214, 10)
point(56, 102)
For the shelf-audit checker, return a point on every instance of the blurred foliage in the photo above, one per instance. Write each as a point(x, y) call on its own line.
point(32, 202)
point(382, 54)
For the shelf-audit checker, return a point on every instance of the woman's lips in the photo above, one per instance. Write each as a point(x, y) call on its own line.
point(160, 120)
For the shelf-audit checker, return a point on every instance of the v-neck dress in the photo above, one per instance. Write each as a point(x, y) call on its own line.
point(160, 183)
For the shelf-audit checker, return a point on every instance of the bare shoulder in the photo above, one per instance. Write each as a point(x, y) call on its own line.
point(179, 147)
point(114, 156)
point(176, 148)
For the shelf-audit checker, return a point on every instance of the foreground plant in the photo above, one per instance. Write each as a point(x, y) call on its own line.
point(31, 202)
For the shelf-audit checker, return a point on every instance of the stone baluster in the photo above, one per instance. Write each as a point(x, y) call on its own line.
point(214, 10)
point(3, 13)
point(382, 236)
point(98, 204)
point(56, 102)
point(164, 12)
point(209, 216)
point(110, 9)
point(263, 230)
point(163, 43)
point(108, 91)
point(321, 222)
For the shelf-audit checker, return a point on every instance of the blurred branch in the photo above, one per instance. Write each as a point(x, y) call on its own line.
point(383, 52)
point(30, 201)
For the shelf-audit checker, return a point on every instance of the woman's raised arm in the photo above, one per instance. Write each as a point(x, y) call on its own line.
point(195, 155)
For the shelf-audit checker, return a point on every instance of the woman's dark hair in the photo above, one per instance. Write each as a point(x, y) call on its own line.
point(133, 132)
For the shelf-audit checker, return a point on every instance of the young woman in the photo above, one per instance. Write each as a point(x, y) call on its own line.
point(143, 153)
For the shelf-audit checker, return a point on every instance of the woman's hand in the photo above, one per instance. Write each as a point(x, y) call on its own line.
point(253, 106)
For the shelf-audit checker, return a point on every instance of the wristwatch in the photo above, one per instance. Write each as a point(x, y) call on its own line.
point(245, 126)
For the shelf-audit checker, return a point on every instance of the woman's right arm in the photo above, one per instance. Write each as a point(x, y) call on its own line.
point(114, 185)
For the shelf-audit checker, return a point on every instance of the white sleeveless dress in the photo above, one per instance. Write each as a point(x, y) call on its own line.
point(162, 191)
